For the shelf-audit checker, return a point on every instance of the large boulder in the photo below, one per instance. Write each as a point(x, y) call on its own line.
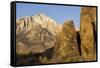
point(88, 32)
point(36, 40)
point(35, 34)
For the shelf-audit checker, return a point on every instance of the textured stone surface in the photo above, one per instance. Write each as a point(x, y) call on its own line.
point(35, 34)
point(66, 43)
point(41, 19)
point(87, 32)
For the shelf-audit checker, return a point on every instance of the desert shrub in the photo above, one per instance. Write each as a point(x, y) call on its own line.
point(43, 60)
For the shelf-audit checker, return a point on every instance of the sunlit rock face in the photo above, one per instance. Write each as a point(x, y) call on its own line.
point(66, 43)
point(88, 33)
point(41, 19)
point(35, 34)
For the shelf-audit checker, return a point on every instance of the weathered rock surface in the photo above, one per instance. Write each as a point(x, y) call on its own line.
point(35, 34)
point(66, 43)
point(41, 19)
point(87, 33)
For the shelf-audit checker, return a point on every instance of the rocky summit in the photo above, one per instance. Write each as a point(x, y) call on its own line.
point(41, 19)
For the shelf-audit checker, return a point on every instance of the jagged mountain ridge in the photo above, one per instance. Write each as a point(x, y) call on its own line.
point(41, 19)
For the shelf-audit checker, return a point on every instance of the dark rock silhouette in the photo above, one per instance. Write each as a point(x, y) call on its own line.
point(79, 42)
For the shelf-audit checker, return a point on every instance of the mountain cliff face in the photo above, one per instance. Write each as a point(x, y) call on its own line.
point(40, 19)
point(35, 34)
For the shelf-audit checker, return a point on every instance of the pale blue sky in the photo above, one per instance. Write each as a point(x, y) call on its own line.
point(58, 13)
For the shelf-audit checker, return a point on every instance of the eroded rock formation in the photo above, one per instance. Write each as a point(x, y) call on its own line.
point(66, 43)
point(88, 33)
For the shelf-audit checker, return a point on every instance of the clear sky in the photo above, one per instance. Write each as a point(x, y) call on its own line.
point(58, 13)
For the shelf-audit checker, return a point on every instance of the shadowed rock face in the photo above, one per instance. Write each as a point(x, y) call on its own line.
point(66, 42)
point(88, 32)
point(35, 34)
